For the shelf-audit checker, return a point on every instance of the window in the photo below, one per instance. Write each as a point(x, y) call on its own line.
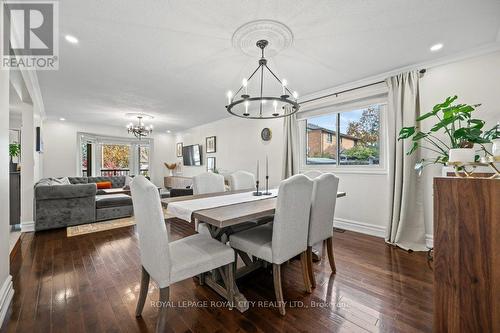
point(357, 133)
point(329, 137)
point(101, 155)
point(86, 158)
point(144, 160)
point(320, 146)
point(115, 160)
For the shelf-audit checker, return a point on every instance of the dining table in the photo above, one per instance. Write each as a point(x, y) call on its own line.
point(224, 213)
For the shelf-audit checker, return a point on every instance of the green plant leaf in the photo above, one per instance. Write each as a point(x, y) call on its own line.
point(14, 149)
point(445, 104)
point(493, 133)
point(413, 148)
point(419, 136)
point(443, 123)
point(477, 123)
point(425, 116)
point(406, 132)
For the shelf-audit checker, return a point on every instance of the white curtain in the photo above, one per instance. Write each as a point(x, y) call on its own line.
point(291, 142)
point(407, 227)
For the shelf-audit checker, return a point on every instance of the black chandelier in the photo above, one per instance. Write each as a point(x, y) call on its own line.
point(255, 107)
point(140, 130)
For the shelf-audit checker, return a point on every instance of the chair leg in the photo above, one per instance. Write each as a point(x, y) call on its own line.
point(161, 322)
point(277, 288)
point(310, 270)
point(143, 293)
point(305, 274)
point(331, 259)
point(230, 284)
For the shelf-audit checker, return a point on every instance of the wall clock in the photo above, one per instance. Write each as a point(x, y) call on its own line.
point(266, 134)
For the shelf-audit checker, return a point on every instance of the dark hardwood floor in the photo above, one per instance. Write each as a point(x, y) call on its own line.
point(90, 283)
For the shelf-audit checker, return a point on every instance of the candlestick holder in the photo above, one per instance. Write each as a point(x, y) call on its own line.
point(257, 192)
point(267, 187)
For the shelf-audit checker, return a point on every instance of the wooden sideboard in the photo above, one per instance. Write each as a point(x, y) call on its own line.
point(177, 182)
point(466, 255)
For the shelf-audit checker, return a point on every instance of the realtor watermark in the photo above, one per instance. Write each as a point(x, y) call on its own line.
point(30, 35)
point(248, 304)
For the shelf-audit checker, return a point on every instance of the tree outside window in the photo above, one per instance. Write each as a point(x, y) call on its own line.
point(347, 138)
point(115, 156)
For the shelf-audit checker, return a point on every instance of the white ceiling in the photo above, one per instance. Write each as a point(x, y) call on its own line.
point(174, 59)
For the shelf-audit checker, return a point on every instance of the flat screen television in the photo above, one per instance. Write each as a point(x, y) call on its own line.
point(191, 155)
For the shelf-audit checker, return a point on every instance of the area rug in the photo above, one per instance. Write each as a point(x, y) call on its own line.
point(103, 226)
point(99, 226)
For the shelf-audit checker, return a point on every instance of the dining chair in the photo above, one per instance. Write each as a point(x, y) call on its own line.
point(205, 183)
point(169, 262)
point(323, 200)
point(285, 237)
point(241, 180)
point(312, 173)
point(208, 182)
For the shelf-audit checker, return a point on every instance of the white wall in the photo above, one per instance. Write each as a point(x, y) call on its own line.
point(239, 146)
point(60, 154)
point(366, 208)
point(474, 80)
point(6, 290)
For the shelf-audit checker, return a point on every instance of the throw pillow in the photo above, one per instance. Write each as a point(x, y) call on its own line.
point(103, 185)
point(65, 181)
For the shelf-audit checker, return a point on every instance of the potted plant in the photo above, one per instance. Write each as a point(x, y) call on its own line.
point(14, 151)
point(462, 132)
point(171, 167)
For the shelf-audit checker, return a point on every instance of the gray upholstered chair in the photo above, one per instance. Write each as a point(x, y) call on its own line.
point(312, 173)
point(324, 198)
point(208, 182)
point(169, 262)
point(241, 180)
point(286, 237)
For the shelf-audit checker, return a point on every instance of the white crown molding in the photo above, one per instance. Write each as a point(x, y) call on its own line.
point(6, 294)
point(479, 51)
point(363, 228)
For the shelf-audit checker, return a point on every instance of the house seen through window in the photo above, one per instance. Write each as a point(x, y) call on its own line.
point(347, 138)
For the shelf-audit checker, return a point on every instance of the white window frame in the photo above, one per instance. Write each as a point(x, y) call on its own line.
point(98, 140)
point(381, 168)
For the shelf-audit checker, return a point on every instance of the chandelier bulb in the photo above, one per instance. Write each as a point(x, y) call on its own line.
point(245, 84)
point(295, 95)
point(283, 84)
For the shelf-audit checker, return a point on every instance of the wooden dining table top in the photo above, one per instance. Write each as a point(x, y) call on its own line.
point(226, 216)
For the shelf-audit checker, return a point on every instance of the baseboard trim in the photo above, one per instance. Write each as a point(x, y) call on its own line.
point(364, 228)
point(6, 294)
point(28, 226)
point(429, 241)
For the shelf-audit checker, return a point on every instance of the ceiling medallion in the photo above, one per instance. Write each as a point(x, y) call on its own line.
point(140, 130)
point(253, 106)
point(278, 35)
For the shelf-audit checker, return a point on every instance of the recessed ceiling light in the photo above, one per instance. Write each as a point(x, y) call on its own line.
point(436, 47)
point(62, 119)
point(71, 39)
point(169, 131)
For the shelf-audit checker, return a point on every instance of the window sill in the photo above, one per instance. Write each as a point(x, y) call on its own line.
point(346, 169)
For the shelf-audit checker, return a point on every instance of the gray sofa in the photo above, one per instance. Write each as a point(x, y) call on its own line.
point(79, 202)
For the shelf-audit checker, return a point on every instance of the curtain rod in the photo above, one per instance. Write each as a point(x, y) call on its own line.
point(422, 71)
